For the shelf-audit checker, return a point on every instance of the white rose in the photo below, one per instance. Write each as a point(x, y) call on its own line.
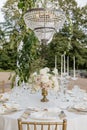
point(44, 70)
point(44, 78)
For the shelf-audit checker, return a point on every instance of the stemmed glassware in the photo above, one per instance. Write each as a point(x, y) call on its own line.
point(64, 80)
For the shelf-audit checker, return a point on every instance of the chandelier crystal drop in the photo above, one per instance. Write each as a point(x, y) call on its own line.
point(45, 19)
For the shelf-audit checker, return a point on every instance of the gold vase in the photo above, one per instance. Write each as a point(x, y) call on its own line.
point(44, 94)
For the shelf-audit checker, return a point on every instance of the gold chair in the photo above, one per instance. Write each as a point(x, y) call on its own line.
point(2, 86)
point(42, 125)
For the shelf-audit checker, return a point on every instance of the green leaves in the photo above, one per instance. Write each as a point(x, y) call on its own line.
point(26, 57)
point(20, 4)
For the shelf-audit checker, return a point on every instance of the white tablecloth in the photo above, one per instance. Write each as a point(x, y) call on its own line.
point(9, 121)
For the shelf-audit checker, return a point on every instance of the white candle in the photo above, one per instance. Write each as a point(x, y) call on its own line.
point(64, 63)
point(55, 61)
point(67, 65)
point(74, 67)
point(61, 65)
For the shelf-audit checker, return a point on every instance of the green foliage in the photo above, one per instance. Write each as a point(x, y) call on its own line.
point(25, 5)
point(8, 57)
point(26, 57)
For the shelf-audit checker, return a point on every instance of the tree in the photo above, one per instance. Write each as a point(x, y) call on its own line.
point(72, 38)
point(8, 57)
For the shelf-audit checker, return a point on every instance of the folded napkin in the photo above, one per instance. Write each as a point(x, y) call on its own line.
point(33, 109)
point(44, 115)
point(56, 110)
point(77, 111)
point(2, 109)
point(25, 114)
point(80, 107)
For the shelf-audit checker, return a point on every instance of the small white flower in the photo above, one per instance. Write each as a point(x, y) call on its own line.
point(34, 74)
point(44, 70)
point(55, 71)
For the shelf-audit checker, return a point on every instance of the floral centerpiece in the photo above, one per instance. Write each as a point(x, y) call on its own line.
point(44, 79)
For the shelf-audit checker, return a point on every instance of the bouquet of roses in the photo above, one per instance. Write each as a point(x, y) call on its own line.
point(44, 79)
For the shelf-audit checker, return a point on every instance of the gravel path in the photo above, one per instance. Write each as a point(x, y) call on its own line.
point(81, 82)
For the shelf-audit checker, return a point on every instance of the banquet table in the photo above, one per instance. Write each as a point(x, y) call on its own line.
point(27, 100)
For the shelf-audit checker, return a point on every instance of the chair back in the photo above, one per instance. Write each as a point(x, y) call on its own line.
point(2, 86)
point(24, 125)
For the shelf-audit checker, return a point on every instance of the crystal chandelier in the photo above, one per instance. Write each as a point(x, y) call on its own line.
point(45, 19)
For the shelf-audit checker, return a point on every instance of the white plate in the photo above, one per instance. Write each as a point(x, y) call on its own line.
point(8, 112)
point(44, 115)
point(8, 108)
point(80, 109)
